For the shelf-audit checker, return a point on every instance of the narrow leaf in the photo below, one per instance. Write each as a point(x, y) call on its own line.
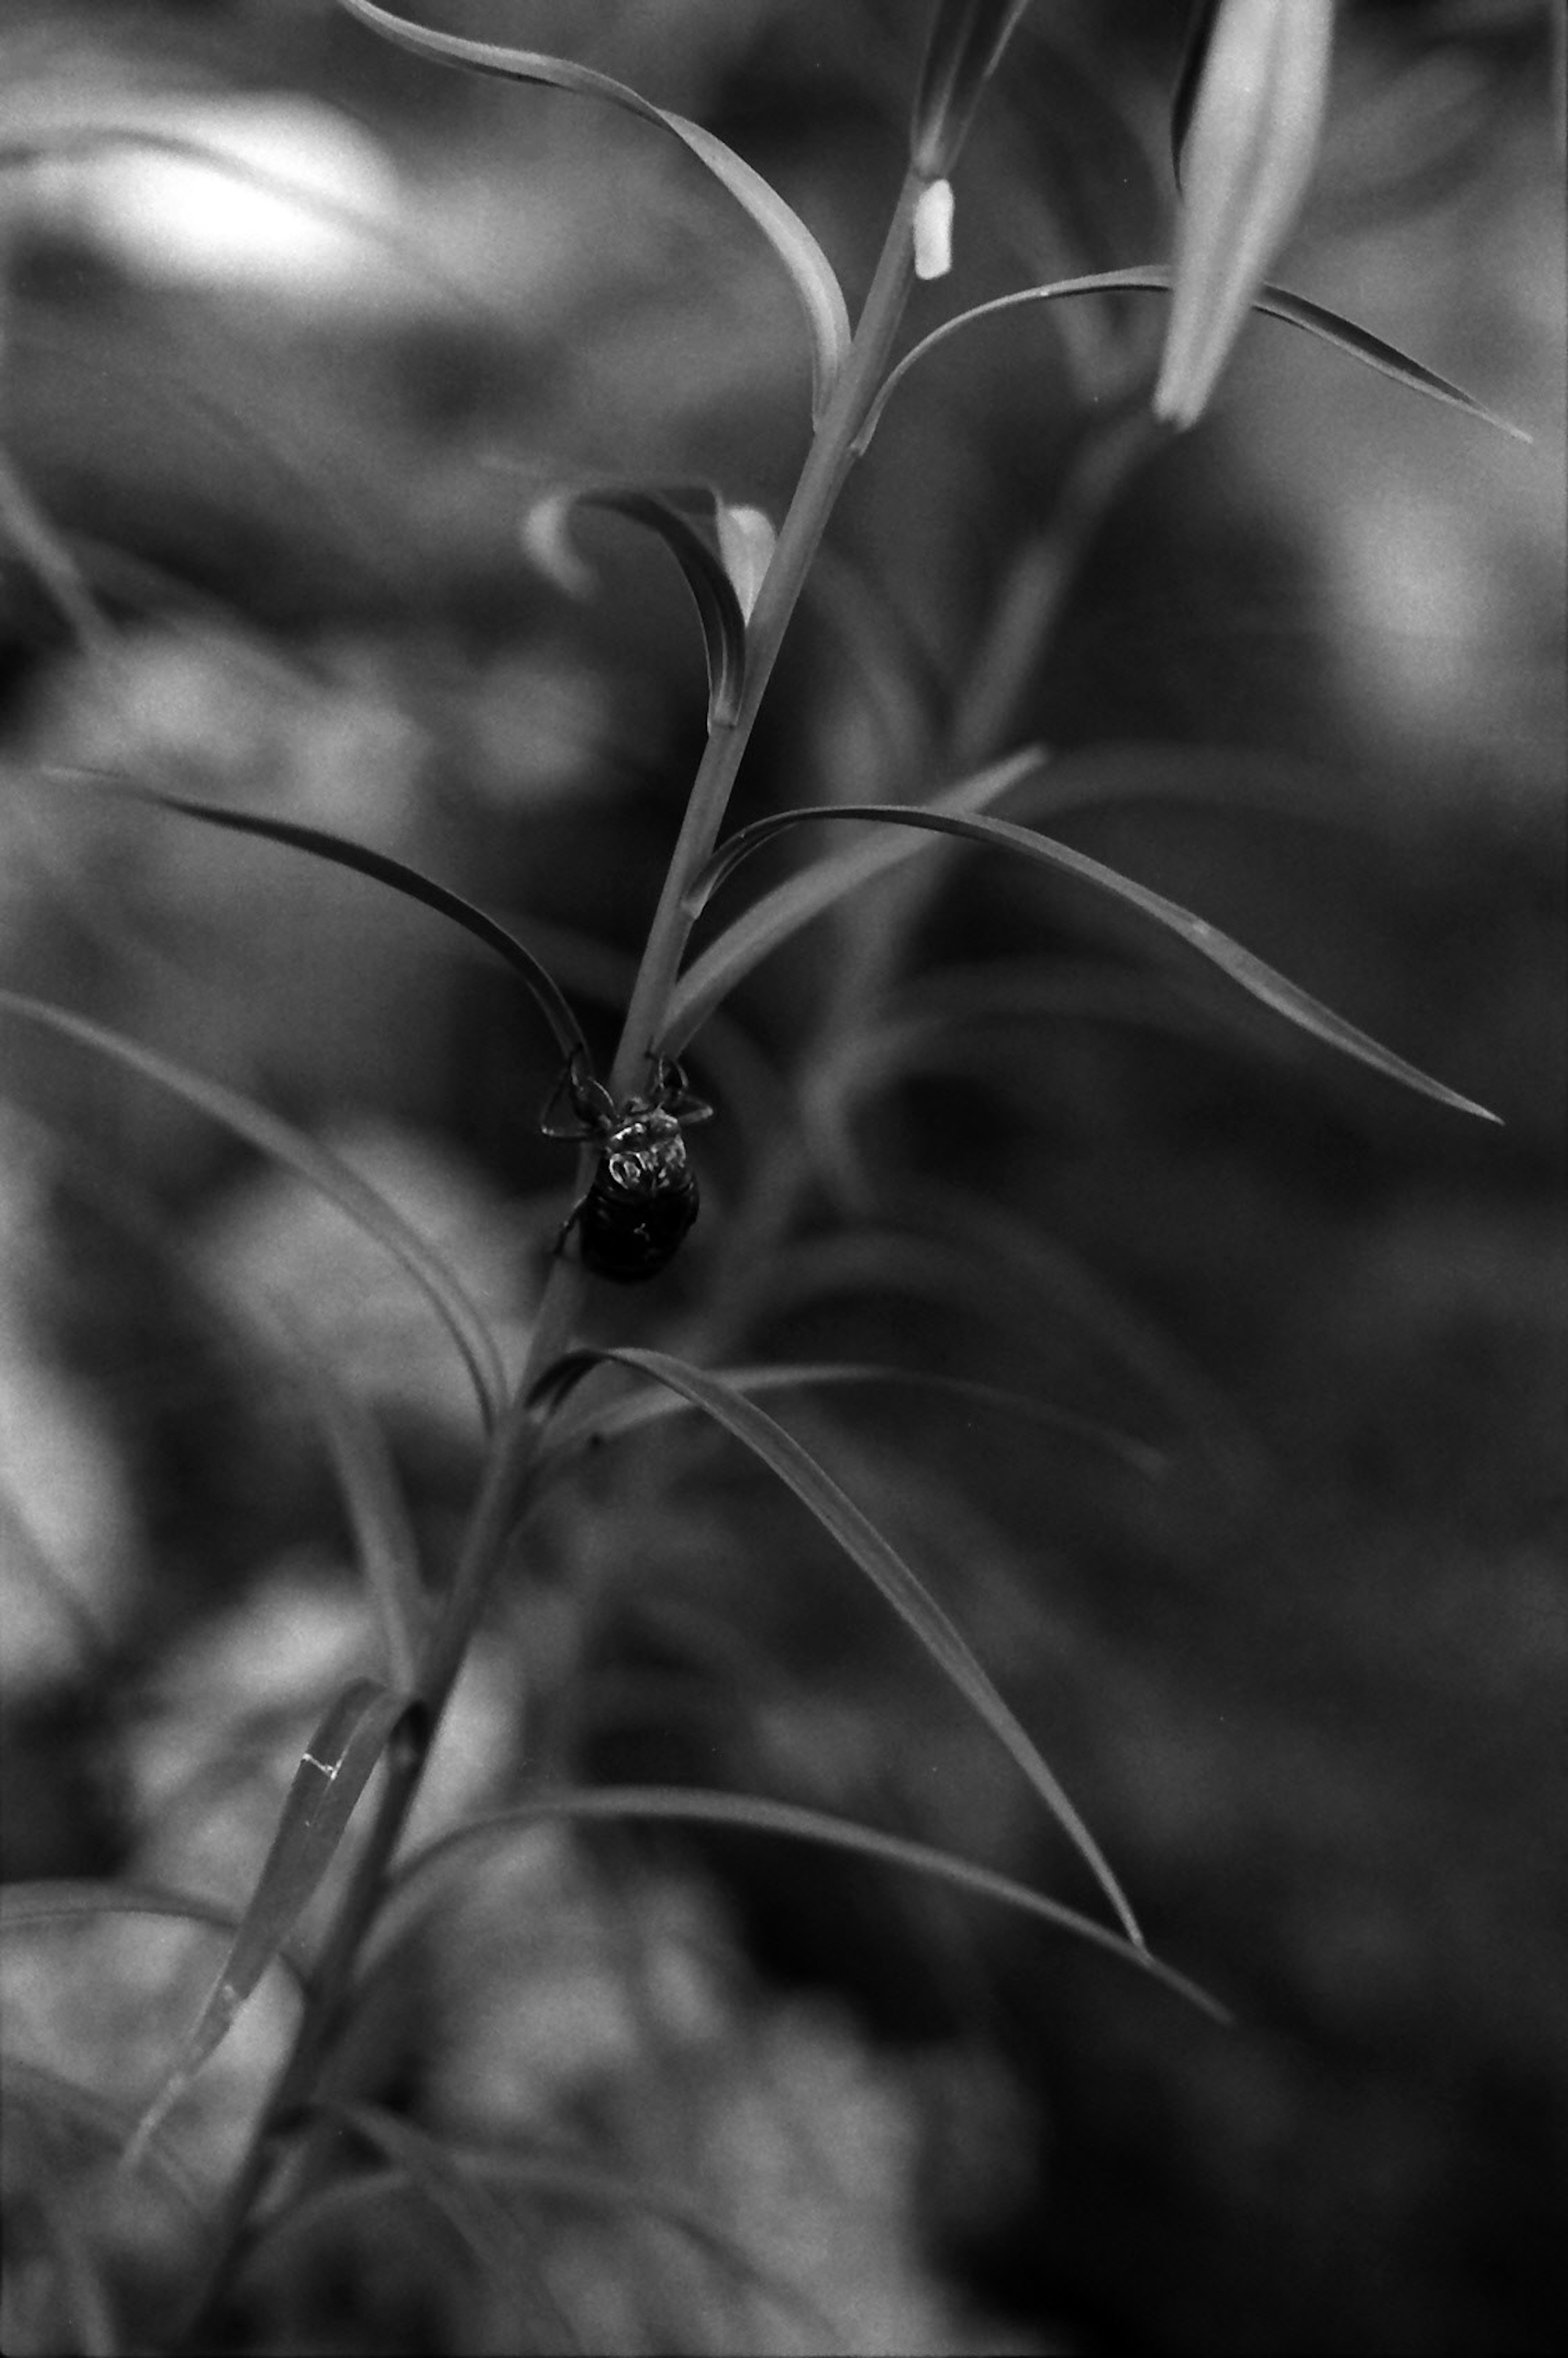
point(344, 853)
point(871, 1553)
point(811, 273)
point(1155, 278)
point(334, 1179)
point(752, 1813)
point(462, 2175)
point(378, 1515)
point(1259, 980)
point(713, 592)
point(331, 1775)
point(778, 915)
point(652, 1405)
point(96, 2119)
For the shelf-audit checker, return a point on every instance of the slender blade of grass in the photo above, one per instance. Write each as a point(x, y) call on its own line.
point(755, 1814)
point(342, 852)
point(1260, 981)
point(872, 1554)
point(377, 1512)
point(652, 1405)
point(810, 272)
point(282, 1143)
point(1155, 278)
point(333, 1772)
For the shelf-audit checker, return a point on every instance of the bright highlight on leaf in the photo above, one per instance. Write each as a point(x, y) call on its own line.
point(1247, 156)
point(811, 273)
point(882, 1563)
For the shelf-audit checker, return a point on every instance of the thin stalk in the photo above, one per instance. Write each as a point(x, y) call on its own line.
point(821, 479)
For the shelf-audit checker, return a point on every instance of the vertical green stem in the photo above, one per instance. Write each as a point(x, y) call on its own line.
point(821, 479)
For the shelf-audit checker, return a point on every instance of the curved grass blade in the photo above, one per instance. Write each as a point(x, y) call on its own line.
point(773, 919)
point(35, 539)
point(1260, 981)
point(96, 2119)
point(810, 271)
point(754, 1814)
point(653, 1405)
point(872, 1554)
point(378, 1515)
point(333, 1772)
point(458, 2174)
point(713, 592)
point(495, 2240)
point(1155, 278)
point(24, 1907)
point(344, 853)
point(282, 1144)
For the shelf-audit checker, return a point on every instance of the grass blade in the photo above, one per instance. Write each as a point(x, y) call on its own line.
point(752, 1813)
point(283, 1145)
point(872, 1554)
point(333, 1774)
point(1155, 278)
point(1260, 981)
point(652, 1405)
point(342, 852)
point(377, 1513)
point(782, 913)
point(810, 271)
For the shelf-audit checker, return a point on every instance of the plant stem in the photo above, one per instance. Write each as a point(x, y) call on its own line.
point(821, 481)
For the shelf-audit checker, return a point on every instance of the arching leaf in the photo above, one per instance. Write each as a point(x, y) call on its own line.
point(317, 1166)
point(1155, 278)
point(810, 271)
point(782, 913)
point(713, 592)
point(752, 1813)
point(341, 852)
point(873, 1555)
point(1259, 980)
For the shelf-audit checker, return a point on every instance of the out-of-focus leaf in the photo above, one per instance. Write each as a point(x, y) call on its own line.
point(96, 2120)
point(462, 2175)
point(1274, 302)
point(755, 1814)
point(378, 1514)
point(83, 142)
point(872, 1554)
point(334, 1179)
point(333, 1774)
point(496, 2241)
point(69, 2292)
point(1257, 978)
point(652, 1405)
point(341, 852)
point(713, 592)
point(31, 532)
point(1250, 149)
point(962, 52)
point(778, 915)
point(810, 271)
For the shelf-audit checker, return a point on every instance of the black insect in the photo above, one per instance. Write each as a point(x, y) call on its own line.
point(643, 1198)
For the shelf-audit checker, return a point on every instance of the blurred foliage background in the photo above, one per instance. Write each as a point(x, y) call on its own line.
point(1309, 1689)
